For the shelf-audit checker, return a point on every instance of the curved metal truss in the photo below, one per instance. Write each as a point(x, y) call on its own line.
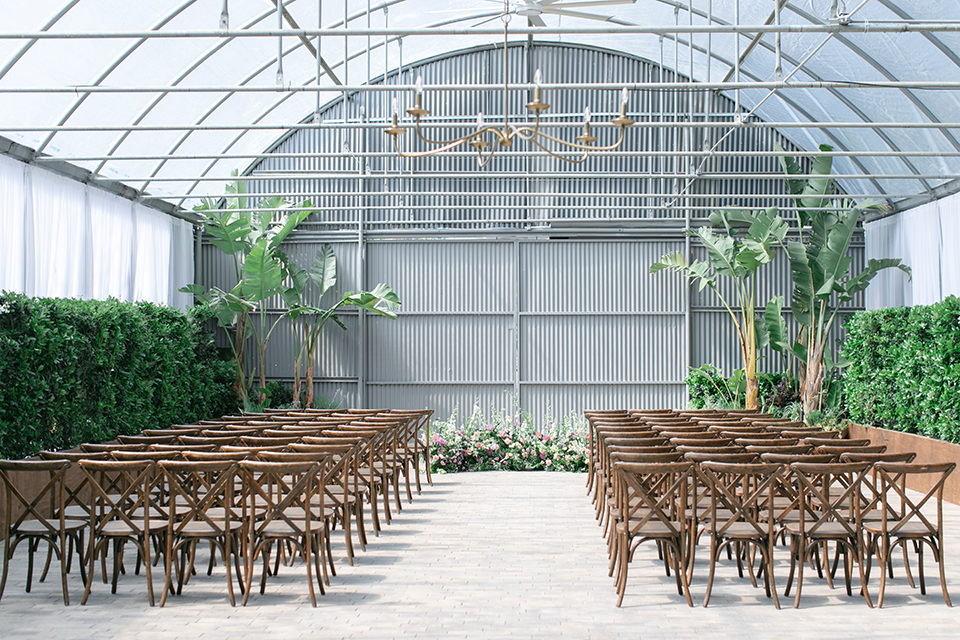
point(167, 102)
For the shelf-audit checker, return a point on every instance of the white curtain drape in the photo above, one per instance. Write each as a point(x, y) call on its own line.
point(926, 239)
point(65, 239)
point(12, 203)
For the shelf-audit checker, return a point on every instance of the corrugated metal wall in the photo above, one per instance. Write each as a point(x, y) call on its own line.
point(526, 281)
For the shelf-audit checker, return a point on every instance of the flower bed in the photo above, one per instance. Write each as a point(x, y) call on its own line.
point(508, 443)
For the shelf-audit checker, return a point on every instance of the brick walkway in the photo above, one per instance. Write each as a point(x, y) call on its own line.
point(485, 555)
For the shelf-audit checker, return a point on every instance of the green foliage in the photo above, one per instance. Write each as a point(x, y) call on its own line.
point(820, 269)
point(750, 242)
point(709, 389)
point(84, 371)
point(904, 371)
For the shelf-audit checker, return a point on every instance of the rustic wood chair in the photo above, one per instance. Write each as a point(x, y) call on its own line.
point(131, 515)
point(912, 525)
point(652, 502)
point(38, 517)
point(741, 515)
point(289, 509)
point(829, 511)
point(203, 505)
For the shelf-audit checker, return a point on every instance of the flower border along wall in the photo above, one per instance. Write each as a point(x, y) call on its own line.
point(507, 443)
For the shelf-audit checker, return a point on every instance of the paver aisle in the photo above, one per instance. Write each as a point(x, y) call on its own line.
point(482, 555)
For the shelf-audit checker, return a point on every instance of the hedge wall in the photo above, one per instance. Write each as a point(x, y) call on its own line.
point(75, 371)
point(905, 369)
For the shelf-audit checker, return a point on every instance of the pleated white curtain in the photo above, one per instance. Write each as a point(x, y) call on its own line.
point(926, 238)
point(65, 239)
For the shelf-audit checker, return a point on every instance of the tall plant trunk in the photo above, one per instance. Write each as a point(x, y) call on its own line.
point(262, 353)
point(311, 345)
point(296, 375)
point(750, 359)
point(240, 385)
point(812, 382)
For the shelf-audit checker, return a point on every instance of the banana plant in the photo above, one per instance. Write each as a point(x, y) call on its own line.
point(750, 242)
point(820, 270)
point(323, 275)
point(252, 237)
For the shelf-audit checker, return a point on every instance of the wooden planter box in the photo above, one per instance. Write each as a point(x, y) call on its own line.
point(928, 450)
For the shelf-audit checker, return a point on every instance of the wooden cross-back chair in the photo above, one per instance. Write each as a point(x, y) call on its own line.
point(830, 504)
point(288, 508)
point(38, 517)
point(740, 514)
point(652, 503)
point(912, 525)
point(125, 509)
point(203, 505)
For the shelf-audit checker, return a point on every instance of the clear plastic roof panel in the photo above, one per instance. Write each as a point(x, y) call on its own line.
point(173, 116)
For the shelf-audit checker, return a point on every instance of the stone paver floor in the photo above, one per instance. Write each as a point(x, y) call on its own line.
point(485, 555)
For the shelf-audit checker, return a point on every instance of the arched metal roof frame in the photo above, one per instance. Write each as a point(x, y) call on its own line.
point(938, 126)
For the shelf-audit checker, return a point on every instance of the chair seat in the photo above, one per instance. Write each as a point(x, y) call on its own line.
point(650, 529)
point(738, 531)
point(116, 528)
point(827, 530)
point(200, 529)
point(909, 530)
point(36, 528)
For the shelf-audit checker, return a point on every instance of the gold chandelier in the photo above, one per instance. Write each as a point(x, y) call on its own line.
point(503, 135)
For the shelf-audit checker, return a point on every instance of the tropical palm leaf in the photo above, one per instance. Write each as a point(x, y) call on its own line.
point(323, 270)
point(262, 273)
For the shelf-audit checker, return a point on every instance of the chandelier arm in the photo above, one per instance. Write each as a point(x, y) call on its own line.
point(583, 147)
point(427, 140)
point(430, 152)
point(558, 156)
point(481, 161)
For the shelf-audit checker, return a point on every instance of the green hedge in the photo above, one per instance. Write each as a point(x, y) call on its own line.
point(75, 371)
point(905, 369)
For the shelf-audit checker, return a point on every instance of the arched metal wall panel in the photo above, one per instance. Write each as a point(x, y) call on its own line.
point(526, 281)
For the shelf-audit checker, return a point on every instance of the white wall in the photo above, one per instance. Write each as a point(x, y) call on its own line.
point(65, 239)
point(926, 239)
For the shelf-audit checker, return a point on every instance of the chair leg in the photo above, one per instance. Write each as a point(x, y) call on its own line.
point(938, 554)
point(713, 567)
point(802, 552)
point(624, 543)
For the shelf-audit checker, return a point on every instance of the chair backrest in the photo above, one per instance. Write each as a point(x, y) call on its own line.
point(859, 456)
point(835, 442)
point(281, 492)
point(653, 493)
point(197, 488)
point(840, 449)
point(147, 455)
point(74, 456)
point(217, 441)
point(893, 481)
point(830, 493)
point(93, 447)
point(659, 456)
point(200, 456)
point(788, 458)
point(750, 441)
point(708, 449)
point(148, 440)
point(772, 448)
point(43, 507)
point(123, 490)
point(180, 448)
point(706, 456)
point(741, 493)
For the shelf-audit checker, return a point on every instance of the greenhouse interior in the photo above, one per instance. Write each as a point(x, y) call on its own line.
point(630, 240)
